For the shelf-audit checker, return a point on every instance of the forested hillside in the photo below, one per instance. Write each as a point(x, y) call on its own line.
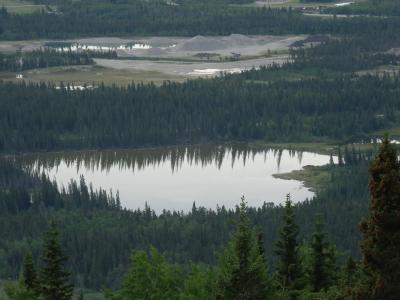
point(200, 110)
point(340, 85)
point(327, 100)
point(98, 235)
point(305, 267)
point(94, 18)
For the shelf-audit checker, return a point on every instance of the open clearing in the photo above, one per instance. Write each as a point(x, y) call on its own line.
point(214, 47)
point(21, 7)
point(159, 58)
point(298, 3)
point(387, 70)
point(9, 47)
point(124, 72)
point(200, 69)
point(197, 47)
point(80, 75)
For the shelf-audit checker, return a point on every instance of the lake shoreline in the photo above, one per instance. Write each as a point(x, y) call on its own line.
point(316, 147)
point(175, 177)
point(315, 178)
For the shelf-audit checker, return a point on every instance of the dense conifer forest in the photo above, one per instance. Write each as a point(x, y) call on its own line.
point(308, 259)
point(329, 101)
point(98, 233)
point(101, 18)
point(196, 111)
point(59, 242)
point(42, 59)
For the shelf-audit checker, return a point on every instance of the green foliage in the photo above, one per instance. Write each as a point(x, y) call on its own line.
point(243, 269)
point(150, 277)
point(18, 291)
point(98, 235)
point(81, 296)
point(381, 235)
point(29, 274)
point(54, 280)
point(289, 268)
point(242, 273)
point(350, 271)
point(322, 269)
point(349, 279)
point(42, 58)
point(94, 18)
point(303, 110)
point(199, 283)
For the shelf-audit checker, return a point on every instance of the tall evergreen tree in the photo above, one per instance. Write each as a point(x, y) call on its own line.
point(349, 272)
point(320, 256)
point(287, 248)
point(340, 158)
point(349, 280)
point(243, 270)
point(331, 264)
point(29, 274)
point(381, 228)
point(54, 279)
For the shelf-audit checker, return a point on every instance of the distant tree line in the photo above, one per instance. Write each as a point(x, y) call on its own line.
point(42, 58)
point(40, 117)
point(88, 18)
point(47, 57)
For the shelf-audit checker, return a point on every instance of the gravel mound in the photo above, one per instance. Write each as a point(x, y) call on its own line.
point(205, 44)
point(240, 40)
point(202, 44)
point(156, 52)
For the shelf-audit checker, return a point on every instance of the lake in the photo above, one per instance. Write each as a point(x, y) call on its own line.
point(173, 178)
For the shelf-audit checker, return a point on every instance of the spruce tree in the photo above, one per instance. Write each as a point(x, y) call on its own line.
point(340, 158)
point(331, 162)
point(349, 272)
point(381, 228)
point(29, 275)
point(243, 270)
point(331, 264)
point(321, 259)
point(54, 279)
point(287, 248)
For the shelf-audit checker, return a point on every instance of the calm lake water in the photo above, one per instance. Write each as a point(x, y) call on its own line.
point(173, 178)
